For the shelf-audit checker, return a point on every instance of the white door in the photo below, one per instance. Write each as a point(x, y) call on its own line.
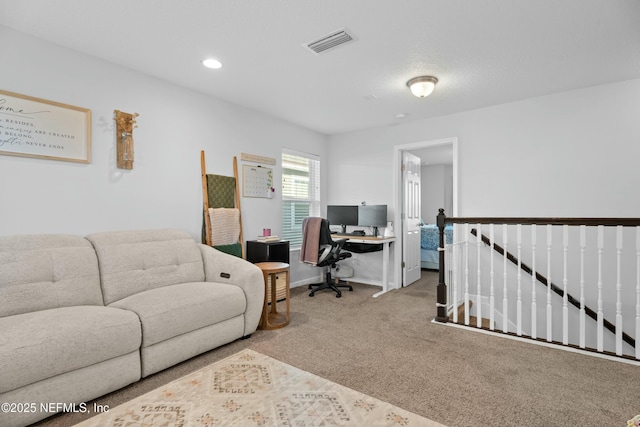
point(411, 218)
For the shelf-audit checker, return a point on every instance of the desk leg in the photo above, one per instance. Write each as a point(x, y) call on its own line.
point(385, 268)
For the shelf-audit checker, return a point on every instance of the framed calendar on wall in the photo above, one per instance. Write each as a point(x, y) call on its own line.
point(257, 181)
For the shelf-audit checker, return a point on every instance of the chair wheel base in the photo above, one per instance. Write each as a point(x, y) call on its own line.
point(331, 286)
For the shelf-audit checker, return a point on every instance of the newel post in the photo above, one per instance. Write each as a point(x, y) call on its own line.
point(441, 302)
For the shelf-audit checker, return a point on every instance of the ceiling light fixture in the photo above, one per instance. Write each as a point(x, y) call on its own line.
point(212, 63)
point(422, 86)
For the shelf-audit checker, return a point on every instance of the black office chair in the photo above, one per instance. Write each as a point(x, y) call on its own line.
point(329, 253)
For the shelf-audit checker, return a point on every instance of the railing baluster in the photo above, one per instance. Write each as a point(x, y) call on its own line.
point(519, 300)
point(456, 280)
point(549, 307)
point(479, 273)
point(583, 319)
point(618, 291)
point(505, 301)
point(492, 303)
point(600, 318)
point(565, 283)
point(447, 277)
point(466, 274)
point(638, 293)
point(534, 314)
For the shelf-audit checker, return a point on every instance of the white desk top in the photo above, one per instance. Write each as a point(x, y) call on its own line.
point(364, 239)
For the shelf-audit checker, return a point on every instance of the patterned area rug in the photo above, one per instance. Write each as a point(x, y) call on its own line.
point(251, 389)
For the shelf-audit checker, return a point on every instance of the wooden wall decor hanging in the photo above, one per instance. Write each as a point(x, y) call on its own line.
point(125, 123)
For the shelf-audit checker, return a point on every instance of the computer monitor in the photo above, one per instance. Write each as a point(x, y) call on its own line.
point(372, 216)
point(342, 215)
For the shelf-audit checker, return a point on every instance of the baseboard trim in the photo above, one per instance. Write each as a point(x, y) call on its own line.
point(306, 281)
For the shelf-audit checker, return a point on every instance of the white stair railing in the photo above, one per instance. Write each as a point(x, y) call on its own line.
point(598, 260)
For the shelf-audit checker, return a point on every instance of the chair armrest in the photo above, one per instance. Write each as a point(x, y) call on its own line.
point(220, 267)
point(338, 244)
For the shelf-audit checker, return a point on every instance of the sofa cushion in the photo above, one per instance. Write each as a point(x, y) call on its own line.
point(137, 261)
point(174, 310)
point(43, 344)
point(39, 272)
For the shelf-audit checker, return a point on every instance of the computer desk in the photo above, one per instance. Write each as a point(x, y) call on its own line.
point(372, 240)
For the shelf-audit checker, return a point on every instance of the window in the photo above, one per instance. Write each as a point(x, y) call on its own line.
point(300, 193)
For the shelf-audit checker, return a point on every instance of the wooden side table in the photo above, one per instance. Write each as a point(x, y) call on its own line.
point(271, 318)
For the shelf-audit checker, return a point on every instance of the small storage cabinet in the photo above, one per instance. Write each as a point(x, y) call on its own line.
point(276, 251)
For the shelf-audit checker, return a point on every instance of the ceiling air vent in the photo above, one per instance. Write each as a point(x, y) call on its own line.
point(330, 41)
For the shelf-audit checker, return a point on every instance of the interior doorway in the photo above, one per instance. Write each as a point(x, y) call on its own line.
point(439, 154)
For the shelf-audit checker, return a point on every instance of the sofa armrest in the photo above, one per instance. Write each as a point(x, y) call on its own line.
point(224, 268)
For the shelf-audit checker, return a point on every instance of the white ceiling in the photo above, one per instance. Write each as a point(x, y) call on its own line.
point(484, 52)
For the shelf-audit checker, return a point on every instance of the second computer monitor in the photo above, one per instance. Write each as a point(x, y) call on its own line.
point(372, 216)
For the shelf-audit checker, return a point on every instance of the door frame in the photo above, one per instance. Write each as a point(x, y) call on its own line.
point(398, 192)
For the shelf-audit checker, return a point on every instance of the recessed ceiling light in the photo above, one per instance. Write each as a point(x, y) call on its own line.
point(212, 63)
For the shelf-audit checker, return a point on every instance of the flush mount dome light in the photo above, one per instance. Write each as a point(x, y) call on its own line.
point(212, 63)
point(422, 86)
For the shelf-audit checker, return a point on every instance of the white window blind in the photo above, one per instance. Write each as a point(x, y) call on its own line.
point(300, 193)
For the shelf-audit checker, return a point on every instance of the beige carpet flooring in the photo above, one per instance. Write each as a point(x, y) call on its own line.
point(251, 389)
point(388, 348)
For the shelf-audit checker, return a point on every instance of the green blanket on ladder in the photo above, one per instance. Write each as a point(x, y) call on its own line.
point(221, 194)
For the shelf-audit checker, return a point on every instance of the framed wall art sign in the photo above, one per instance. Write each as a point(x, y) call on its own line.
point(34, 127)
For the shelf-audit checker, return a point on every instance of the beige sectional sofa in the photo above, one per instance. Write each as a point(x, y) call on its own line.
point(81, 317)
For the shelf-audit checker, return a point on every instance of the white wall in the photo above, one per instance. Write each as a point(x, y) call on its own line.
point(432, 186)
point(569, 154)
point(436, 190)
point(164, 188)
